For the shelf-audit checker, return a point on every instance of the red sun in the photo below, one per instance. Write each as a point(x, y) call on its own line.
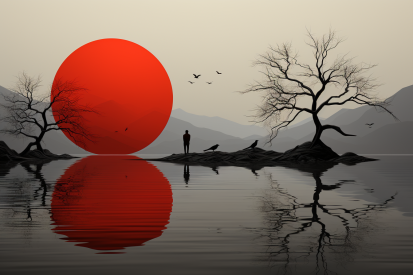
point(129, 89)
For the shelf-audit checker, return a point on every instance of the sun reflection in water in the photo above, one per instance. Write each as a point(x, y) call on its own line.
point(108, 203)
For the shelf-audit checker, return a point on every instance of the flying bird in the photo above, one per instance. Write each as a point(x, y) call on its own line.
point(252, 146)
point(196, 76)
point(116, 131)
point(191, 82)
point(213, 148)
point(209, 82)
point(218, 72)
point(126, 128)
point(369, 124)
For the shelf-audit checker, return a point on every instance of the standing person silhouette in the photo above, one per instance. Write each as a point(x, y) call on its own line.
point(187, 138)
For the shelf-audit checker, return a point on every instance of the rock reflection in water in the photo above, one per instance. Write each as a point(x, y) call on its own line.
point(289, 230)
point(108, 203)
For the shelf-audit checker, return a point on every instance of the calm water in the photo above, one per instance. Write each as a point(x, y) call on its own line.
point(119, 215)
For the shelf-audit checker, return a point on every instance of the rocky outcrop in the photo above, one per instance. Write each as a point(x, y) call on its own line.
point(7, 154)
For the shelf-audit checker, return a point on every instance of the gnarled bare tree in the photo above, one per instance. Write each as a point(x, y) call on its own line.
point(29, 114)
point(291, 88)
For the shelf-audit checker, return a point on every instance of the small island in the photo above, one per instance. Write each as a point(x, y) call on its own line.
point(301, 154)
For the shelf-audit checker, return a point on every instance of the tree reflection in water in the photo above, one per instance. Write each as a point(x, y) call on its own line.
point(24, 196)
point(30, 192)
point(289, 229)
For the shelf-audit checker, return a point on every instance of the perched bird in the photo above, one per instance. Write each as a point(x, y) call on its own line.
point(252, 145)
point(191, 82)
point(209, 82)
point(196, 76)
point(126, 128)
point(218, 72)
point(369, 124)
point(213, 148)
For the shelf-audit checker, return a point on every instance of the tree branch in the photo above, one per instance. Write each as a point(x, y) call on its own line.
point(338, 129)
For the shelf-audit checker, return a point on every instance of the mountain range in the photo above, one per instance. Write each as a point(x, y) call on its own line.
point(220, 124)
point(386, 135)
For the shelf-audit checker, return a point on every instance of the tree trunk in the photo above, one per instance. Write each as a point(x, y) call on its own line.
point(39, 146)
point(318, 131)
point(39, 140)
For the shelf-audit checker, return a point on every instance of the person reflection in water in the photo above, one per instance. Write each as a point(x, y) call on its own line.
point(186, 173)
point(187, 138)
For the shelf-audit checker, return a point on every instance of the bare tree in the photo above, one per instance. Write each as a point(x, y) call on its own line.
point(29, 114)
point(291, 87)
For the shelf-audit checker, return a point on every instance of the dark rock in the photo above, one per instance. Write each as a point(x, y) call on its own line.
point(46, 154)
point(7, 154)
point(351, 159)
point(319, 151)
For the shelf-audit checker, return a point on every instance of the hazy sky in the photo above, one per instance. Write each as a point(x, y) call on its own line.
point(204, 36)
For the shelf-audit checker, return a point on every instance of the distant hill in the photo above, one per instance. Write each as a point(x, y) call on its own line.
point(220, 124)
point(253, 137)
point(395, 138)
point(401, 106)
point(170, 140)
point(346, 116)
